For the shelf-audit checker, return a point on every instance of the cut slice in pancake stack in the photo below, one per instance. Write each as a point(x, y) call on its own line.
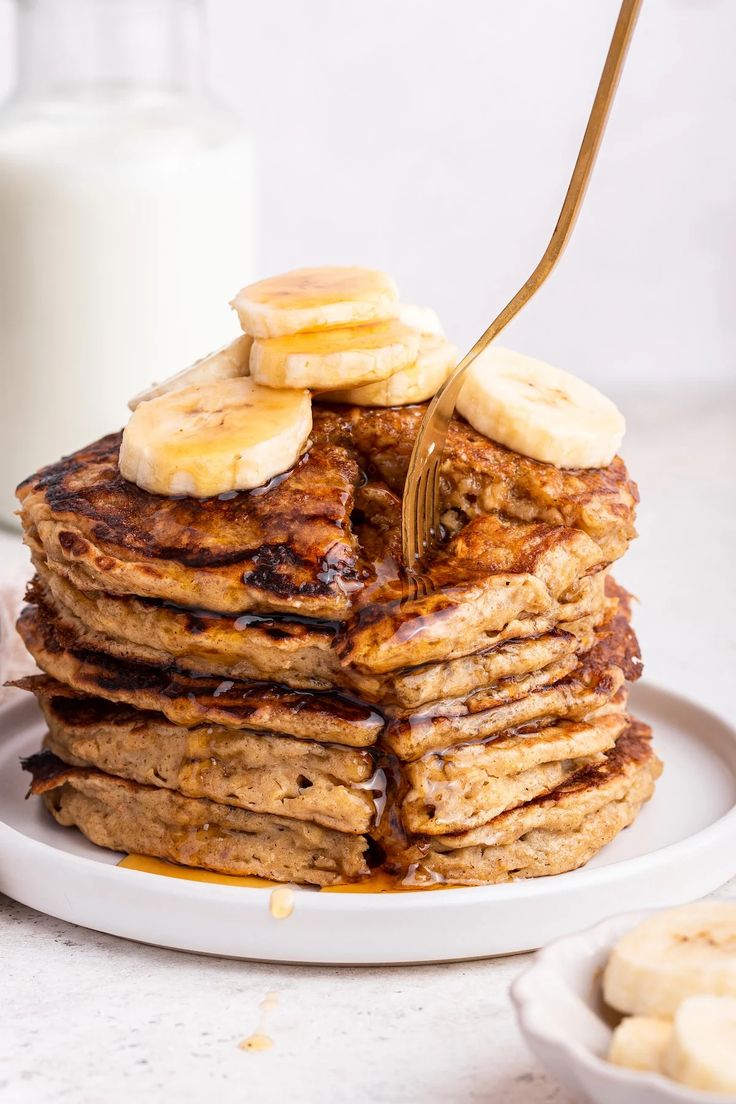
point(251, 684)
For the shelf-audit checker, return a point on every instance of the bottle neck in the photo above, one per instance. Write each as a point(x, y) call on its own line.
point(82, 49)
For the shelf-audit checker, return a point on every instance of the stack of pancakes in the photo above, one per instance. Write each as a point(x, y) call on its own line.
point(250, 684)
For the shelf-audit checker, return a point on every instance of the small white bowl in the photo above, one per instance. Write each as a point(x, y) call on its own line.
point(564, 1020)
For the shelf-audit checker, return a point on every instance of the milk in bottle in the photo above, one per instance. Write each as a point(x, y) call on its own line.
point(126, 220)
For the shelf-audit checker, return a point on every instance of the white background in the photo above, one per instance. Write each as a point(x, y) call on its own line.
point(434, 138)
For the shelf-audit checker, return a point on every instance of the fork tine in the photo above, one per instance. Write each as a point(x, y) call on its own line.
point(431, 504)
point(430, 532)
point(435, 499)
point(409, 524)
point(427, 510)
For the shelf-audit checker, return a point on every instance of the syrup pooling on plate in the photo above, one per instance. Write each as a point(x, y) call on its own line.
point(380, 881)
point(149, 865)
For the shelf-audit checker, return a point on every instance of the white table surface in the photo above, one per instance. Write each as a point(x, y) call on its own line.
point(88, 1018)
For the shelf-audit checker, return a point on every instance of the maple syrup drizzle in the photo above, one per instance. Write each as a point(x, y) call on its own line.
point(281, 902)
point(259, 1040)
point(191, 874)
point(378, 882)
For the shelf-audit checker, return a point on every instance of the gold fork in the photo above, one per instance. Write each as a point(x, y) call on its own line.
point(420, 509)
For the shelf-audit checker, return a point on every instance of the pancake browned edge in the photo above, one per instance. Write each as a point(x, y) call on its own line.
point(551, 834)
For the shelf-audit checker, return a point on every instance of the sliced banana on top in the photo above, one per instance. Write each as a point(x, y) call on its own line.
point(415, 384)
point(314, 299)
point(229, 435)
point(325, 360)
point(540, 411)
point(228, 362)
point(423, 319)
point(673, 955)
point(701, 1051)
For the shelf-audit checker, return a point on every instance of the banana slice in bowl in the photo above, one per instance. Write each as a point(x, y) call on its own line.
point(316, 299)
point(695, 1048)
point(540, 411)
point(673, 955)
point(228, 362)
point(212, 438)
point(436, 360)
point(327, 360)
point(701, 1051)
point(640, 1042)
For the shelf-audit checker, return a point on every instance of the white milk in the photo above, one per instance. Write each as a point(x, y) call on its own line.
point(125, 228)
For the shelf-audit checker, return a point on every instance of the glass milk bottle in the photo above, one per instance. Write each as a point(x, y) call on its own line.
point(126, 220)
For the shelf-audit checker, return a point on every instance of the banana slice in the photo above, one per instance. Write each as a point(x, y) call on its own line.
point(423, 379)
point(702, 1048)
point(540, 411)
point(423, 319)
point(315, 299)
point(227, 362)
point(675, 954)
point(640, 1042)
point(229, 435)
point(329, 359)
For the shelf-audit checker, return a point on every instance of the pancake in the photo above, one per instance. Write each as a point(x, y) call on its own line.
point(557, 832)
point(550, 834)
point(478, 476)
point(298, 653)
point(333, 786)
point(292, 651)
point(291, 546)
point(287, 547)
point(595, 681)
point(466, 786)
point(190, 700)
point(148, 820)
point(497, 580)
point(401, 693)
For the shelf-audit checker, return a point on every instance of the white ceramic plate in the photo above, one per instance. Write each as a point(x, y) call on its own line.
point(681, 847)
point(564, 1020)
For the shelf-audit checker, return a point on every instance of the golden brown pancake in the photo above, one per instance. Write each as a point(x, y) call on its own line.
point(595, 681)
point(287, 547)
point(292, 546)
point(478, 476)
point(547, 835)
point(334, 786)
point(469, 785)
point(127, 816)
point(550, 834)
point(543, 584)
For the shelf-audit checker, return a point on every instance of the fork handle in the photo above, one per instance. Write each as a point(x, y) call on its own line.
point(577, 187)
point(443, 404)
